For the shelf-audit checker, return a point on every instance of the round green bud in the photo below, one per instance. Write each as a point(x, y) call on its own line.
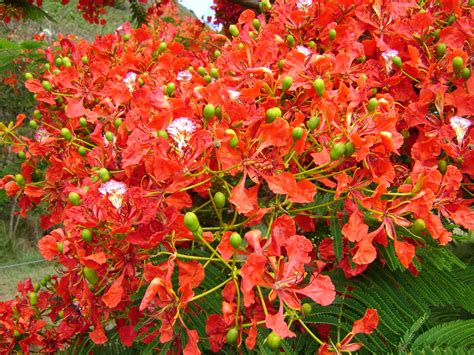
point(306, 309)
point(440, 49)
point(214, 73)
point(313, 123)
point(191, 221)
point(372, 104)
point(219, 200)
point(458, 62)
point(418, 226)
point(117, 123)
point(273, 341)
point(290, 40)
point(66, 134)
point(86, 235)
point(256, 24)
point(349, 149)
point(466, 73)
point(82, 150)
point(235, 240)
point(319, 86)
point(67, 62)
point(21, 155)
point(20, 180)
point(233, 30)
point(162, 47)
point(208, 111)
point(272, 113)
point(33, 296)
point(397, 61)
point(46, 85)
point(297, 133)
point(74, 198)
point(201, 71)
point(442, 166)
point(232, 335)
point(337, 151)
point(90, 275)
point(287, 82)
point(162, 133)
point(33, 124)
point(109, 136)
point(104, 174)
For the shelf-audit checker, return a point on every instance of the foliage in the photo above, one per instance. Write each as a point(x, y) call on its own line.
point(92, 11)
point(292, 183)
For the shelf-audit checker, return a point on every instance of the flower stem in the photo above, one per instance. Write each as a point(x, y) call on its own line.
point(208, 292)
point(319, 341)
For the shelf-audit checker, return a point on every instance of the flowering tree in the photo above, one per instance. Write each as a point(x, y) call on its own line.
point(204, 191)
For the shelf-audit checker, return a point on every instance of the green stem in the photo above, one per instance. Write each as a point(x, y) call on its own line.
point(211, 290)
point(263, 301)
point(317, 206)
point(310, 332)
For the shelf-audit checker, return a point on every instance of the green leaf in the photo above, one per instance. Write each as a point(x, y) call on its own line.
point(336, 233)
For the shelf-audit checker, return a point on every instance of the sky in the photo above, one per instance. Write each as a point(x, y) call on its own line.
point(200, 7)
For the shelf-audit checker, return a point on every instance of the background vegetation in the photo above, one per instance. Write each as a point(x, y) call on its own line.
point(18, 236)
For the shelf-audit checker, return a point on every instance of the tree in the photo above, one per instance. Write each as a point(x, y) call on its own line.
point(289, 186)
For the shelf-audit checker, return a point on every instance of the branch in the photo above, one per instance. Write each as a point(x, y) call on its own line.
point(251, 4)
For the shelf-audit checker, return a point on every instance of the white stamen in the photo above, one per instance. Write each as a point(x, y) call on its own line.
point(460, 126)
point(184, 75)
point(234, 95)
point(304, 4)
point(388, 57)
point(114, 190)
point(181, 130)
point(41, 135)
point(129, 80)
point(303, 50)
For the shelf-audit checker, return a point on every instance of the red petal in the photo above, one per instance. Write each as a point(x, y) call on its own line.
point(98, 335)
point(366, 252)
point(305, 191)
point(284, 183)
point(321, 290)
point(190, 273)
point(276, 322)
point(34, 191)
point(94, 260)
point(251, 275)
point(48, 247)
point(224, 247)
point(240, 198)
point(252, 337)
point(191, 347)
point(405, 252)
point(355, 229)
point(150, 293)
point(367, 323)
point(113, 296)
point(127, 335)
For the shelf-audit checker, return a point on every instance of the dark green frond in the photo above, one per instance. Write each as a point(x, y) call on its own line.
point(459, 334)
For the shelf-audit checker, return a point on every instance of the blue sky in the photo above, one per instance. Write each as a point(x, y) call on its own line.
point(200, 7)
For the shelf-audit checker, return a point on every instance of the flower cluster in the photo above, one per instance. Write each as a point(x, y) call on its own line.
point(184, 168)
